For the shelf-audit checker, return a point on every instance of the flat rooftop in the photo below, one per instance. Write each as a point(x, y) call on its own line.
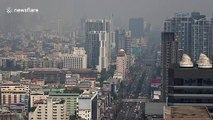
point(87, 95)
point(186, 113)
point(44, 69)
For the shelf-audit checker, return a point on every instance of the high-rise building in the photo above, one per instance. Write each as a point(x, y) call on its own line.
point(119, 40)
point(128, 39)
point(136, 26)
point(191, 83)
point(98, 56)
point(88, 106)
point(121, 63)
point(123, 41)
point(169, 56)
point(97, 25)
point(194, 33)
point(77, 59)
point(49, 109)
point(98, 41)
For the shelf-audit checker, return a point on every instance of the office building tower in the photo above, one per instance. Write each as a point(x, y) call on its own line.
point(136, 26)
point(49, 109)
point(123, 41)
point(169, 56)
point(77, 59)
point(128, 39)
point(121, 63)
point(191, 83)
point(201, 35)
point(194, 33)
point(97, 25)
point(87, 106)
point(96, 31)
point(119, 40)
point(98, 56)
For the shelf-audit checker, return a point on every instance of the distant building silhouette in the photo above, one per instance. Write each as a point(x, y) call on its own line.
point(123, 41)
point(136, 26)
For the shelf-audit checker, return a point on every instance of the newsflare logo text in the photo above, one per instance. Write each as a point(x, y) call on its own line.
point(21, 10)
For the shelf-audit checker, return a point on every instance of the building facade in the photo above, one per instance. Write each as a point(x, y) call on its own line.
point(191, 84)
point(49, 109)
point(121, 63)
point(193, 32)
point(88, 106)
point(169, 56)
point(71, 100)
point(37, 96)
point(14, 93)
point(136, 26)
point(98, 53)
point(97, 37)
point(123, 41)
point(77, 59)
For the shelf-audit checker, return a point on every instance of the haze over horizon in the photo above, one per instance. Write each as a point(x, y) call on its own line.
point(71, 11)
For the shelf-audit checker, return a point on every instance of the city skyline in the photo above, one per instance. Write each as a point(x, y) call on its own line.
point(153, 11)
point(106, 59)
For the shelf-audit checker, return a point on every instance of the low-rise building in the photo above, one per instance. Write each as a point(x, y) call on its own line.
point(35, 96)
point(14, 93)
point(13, 112)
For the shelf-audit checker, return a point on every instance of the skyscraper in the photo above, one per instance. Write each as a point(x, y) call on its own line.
point(123, 41)
point(98, 35)
point(97, 52)
point(194, 33)
point(169, 56)
point(136, 26)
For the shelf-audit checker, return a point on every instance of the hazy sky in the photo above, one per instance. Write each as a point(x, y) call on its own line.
point(153, 11)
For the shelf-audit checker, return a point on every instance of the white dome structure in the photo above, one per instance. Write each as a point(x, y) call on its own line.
point(186, 61)
point(204, 61)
